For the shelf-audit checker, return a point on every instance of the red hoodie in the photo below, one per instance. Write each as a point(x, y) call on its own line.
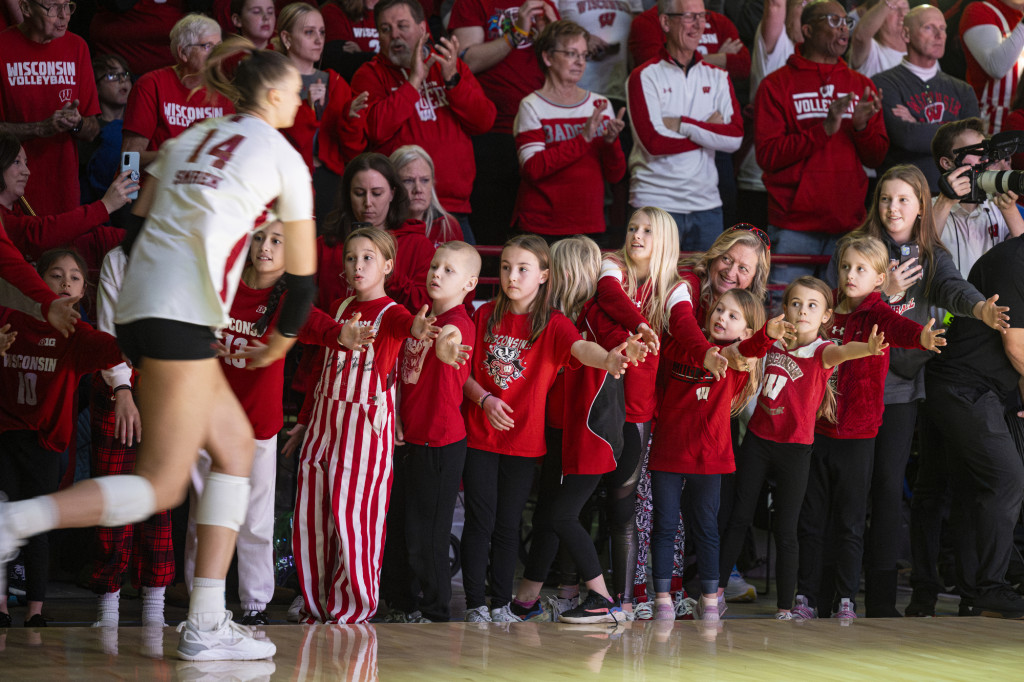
point(437, 118)
point(815, 183)
point(860, 385)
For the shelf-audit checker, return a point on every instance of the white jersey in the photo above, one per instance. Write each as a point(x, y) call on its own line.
point(215, 181)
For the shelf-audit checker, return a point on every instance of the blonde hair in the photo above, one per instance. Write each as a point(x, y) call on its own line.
point(540, 308)
point(754, 316)
point(663, 273)
point(871, 248)
point(402, 157)
point(827, 408)
point(700, 264)
point(382, 240)
point(286, 21)
point(243, 74)
point(575, 267)
point(469, 251)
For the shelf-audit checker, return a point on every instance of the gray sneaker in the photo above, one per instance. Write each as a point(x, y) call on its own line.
point(478, 615)
point(228, 642)
point(504, 615)
point(558, 606)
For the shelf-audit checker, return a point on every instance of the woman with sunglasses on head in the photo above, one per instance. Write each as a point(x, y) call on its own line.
point(567, 139)
point(165, 102)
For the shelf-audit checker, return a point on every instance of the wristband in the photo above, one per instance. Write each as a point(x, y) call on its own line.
point(122, 387)
point(78, 127)
point(483, 399)
point(295, 306)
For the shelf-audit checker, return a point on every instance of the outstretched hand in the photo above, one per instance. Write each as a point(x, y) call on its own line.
point(617, 361)
point(62, 314)
point(649, 337)
point(715, 363)
point(777, 328)
point(354, 336)
point(6, 339)
point(636, 349)
point(931, 339)
point(449, 347)
point(876, 342)
point(423, 326)
point(993, 315)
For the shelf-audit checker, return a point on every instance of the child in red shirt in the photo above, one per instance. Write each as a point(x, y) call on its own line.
point(428, 468)
point(521, 342)
point(795, 391)
point(41, 371)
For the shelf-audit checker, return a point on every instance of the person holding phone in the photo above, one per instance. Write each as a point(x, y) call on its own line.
point(922, 275)
point(426, 95)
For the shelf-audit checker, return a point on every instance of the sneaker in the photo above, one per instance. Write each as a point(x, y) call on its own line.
point(254, 618)
point(403, 617)
point(845, 611)
point(784, 615)
point(596, 608)
point(9, 544)
point(664, 612)
point(645, 611)
point(559, 605)
point(228, 642)
point(503, 614)
point(707, 610)
point(1003, 602)
point(16, 581)
point(535, 611)
point(478, 615)
point(295, 609)
point(917, 610)
point(684, 607)
point(220, 671)
point(5, 620)
point(738, 590)
point(802, 610)
point(36, 621)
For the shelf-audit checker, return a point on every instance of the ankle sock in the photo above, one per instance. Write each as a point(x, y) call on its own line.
point(521, 608)
point(568, 591)
point(107, 608)
point(153, 605)
point(206, 606)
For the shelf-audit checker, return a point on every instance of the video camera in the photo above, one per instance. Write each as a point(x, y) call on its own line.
point(999, 147)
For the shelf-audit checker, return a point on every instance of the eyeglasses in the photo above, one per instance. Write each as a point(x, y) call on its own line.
point(688, 17)
point(121, 76)
point(835, 21)
point(65, 8)
point(758, 232)
point(573, 55)
point(205, 47)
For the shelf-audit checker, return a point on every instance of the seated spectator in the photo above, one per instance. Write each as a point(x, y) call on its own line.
point(33, 234)
point(992, 34)
point(682, 111)
point(352, 22)
point(816, 125)
point(137, 34)
point(371, 193)
point(425, 95)
point(254, 19)
point(876, 42)
point(496, 39)
point(100, 156)
point(969, 230)
point(165, 102)
point(328, 130)
point(416, 171)
point(48, 112)
point(917, 97)
point(567, 139)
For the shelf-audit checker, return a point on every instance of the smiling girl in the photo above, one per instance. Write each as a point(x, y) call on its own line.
point(41, 371)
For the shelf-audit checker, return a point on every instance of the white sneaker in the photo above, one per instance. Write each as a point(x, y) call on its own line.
point(478, 615)
point(558, 605)
point(295, 609)
point(228, 642)
point(738, 590)
point(644, 611)
point(504, 615)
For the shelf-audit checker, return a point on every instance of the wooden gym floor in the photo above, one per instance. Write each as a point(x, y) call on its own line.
point(738, 649)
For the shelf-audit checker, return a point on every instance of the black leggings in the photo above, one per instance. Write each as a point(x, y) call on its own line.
point(496, 488)
point(787, 464)
point(28, 470)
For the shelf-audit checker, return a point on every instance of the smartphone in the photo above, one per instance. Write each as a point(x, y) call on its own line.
point(130, 161)
point(908, 251)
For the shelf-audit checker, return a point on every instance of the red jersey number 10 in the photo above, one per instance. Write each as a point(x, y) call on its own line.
point(222, 150)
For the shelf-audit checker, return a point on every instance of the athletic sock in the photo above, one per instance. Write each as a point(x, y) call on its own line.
point(107, 608)
point(662, 600)
point(206, 606)
point(153, 605)
point(32, 517)
point(568, 591)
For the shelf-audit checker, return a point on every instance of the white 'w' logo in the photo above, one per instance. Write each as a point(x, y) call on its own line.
point(773, 385)
point(702, 392)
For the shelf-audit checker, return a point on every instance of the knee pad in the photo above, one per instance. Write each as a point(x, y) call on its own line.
point(225, 501)
point(127, 499)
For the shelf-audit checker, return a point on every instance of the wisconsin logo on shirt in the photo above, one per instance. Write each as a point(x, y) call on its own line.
point(412, 359)
point(42, 73)
point(503, 364)
point(815, 104)
point(934, 111)
point(702, 392)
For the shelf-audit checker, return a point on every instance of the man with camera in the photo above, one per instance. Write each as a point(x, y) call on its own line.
point(917, 97)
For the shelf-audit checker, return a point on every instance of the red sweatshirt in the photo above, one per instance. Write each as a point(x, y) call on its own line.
point(22, 277)
point(646, 39)
point(815, 182)
point(40, 376)
point(33, 235)
point(339, 27)
point(341, 138)
point(437, 118)
point(860, 385)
